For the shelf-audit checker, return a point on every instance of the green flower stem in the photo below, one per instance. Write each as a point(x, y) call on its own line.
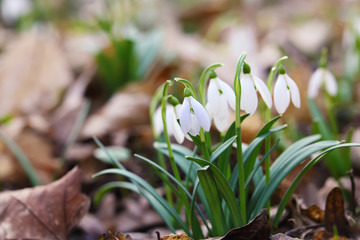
point(331, 115)
point(171, 154)
point(237, 86)
point(203, 80)
point(154, 102)
point(203, 148)
point(270, 81)
point(204, 151)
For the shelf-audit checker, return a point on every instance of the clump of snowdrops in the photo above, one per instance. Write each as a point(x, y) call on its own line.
point(204, 187)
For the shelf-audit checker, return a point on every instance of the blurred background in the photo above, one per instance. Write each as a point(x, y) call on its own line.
point(73, 69)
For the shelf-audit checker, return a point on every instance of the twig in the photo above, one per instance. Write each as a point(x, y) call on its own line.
point(304, 228)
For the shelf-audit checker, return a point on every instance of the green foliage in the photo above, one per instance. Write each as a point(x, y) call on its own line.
point(128, 59)
point(213, 185)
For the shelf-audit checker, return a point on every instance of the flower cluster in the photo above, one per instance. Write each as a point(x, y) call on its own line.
point(191, 116)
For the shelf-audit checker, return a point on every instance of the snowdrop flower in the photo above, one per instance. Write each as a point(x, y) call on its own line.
point(193, 115)
point(220, 96)
point(285, 88)
point(172, 124)
point(322, 76)
point(249, 84)
point(12, 10)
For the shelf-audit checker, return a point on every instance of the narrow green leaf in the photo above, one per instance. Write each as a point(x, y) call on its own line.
point(111, 185)
point(225, 191)
point(308, 166)
point(223, 147)
point(22, 159)
point(263, 192)
point(211, 192)
point(149, 189)
point(258, 164)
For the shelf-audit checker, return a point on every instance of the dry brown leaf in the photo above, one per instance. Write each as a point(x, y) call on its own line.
point(111, 236)
point(335, 213)
point(281, 236)
point(124, 110)
point(324, 235)
point(314, 213)
point(38, 150)
point(176, 237)
point(44, 212)
point(257, 229)
point(33, 72)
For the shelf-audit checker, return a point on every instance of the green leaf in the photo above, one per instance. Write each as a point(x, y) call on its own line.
point(151, 191)
point(171, 185)
point(263, 192)
point(258, 164)
point(308, 166)
point(211, 192)
point(118, 154)
point(251, 152)
point(179, 156)
point(223, 147)
point(21, 157)
point(111, 185)
point(224, 189)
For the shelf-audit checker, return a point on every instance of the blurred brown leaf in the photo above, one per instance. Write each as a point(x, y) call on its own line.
point(176, 237)
point(124, 110)
point(33, 72)
point(324, 235)
point(37, 149)
point(281, 236)
point(335, 213)
point(258, 228)
point(314, 213)
point(111, 236)
point(44, 212)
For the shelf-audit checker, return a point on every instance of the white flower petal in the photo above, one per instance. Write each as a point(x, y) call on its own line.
point(195, 126)
point(221, 119)
point(249, 99)
point(228, 92)
point(157, 121)
point(201, 114)
point(315, 82)
point(184, 115)
point(213, 95)
point(294, 91)
point(177, 132)
point(169, 114)
point(264, 91)
point(281, 94)
point(330, 82)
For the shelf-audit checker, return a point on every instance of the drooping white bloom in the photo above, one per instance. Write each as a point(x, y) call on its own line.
point(11, 10)
point(249, 101)
point(193, 116)
point(172, 124)
point(285, 88)
point(220, 96)
point(322, 76)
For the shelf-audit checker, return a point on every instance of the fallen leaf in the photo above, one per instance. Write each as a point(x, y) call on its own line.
point(281, 236)
point(33, 73)
point(124, 110)
point(314, 213)
point(258, 228)
point(111, 236)
point(324, 235)
point(44, 212)
point(37, 149)
point(335, 213)
point(182, 236)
